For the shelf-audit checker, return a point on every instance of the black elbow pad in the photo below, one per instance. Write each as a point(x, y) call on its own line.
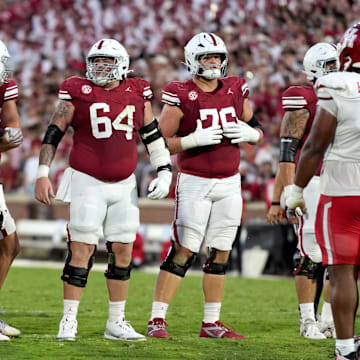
point(288, 149)
point(53, 135)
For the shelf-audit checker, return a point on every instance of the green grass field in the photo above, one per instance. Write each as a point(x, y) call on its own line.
point(263, 310)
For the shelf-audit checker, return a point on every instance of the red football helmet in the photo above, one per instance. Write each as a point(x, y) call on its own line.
point(349, 49)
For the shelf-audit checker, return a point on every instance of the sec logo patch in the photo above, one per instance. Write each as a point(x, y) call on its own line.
point(193, 95)
point(86, 89)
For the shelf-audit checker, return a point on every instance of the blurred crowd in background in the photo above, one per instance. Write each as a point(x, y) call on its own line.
point(266, 40)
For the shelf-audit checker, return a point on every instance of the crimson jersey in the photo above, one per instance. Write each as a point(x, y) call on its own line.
point(8, 91)
point(301, 97)
point(104, 122)
point(221, 106)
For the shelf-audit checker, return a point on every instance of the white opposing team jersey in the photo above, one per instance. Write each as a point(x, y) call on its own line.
point(339, 94)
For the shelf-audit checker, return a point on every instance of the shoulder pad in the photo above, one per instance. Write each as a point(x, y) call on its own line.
point(11, 91)
point(171, 93)
point(297, 97)
point(74, 86)
point(341, 83)
point(237, 83)
point(142, 87)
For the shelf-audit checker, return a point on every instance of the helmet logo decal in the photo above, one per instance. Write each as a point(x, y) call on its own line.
point(350, 37)
point(193, 95)
point(86, 89)
point(100, 44)
point(213, 39)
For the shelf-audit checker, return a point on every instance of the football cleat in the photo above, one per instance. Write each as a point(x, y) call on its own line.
point(8, 330)
point(121, 330)
point(156, 328)
point(327, 328)
point(218, 330)
point(67, 330)
point(309, 330)
point(4, 337)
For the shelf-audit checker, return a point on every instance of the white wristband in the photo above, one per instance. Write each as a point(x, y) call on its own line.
point(43, 171)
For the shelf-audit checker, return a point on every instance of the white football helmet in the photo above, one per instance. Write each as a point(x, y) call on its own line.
point(101, 73)
point(204, 44)
point(5, 71)
point(316, 59)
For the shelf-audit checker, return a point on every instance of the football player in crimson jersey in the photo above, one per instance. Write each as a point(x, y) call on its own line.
point(204, 120)
point(10, 137)
point(335, 136)
point(299, 104)
point(105, 110)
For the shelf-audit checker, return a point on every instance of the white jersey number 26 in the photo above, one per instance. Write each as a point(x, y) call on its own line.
point(105, 131)
point(218, 115)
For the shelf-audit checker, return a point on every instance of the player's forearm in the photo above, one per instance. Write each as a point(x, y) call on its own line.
point(47, 154)
point(6, 147)
point(278, 187)
point(287, 173)
point(174, 145)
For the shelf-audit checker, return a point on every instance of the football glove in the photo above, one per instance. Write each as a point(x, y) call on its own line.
point(295, 204)
point(202, 137)
point(13, 135)
point(241, 132)
point(159, 187)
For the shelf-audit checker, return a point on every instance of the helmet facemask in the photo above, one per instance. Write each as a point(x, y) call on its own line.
point(323, 65)
point(5, 70)
point(211, 71)
point(103, 73)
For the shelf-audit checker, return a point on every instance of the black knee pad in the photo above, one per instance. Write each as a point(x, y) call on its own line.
point(210, 267)
point(170, 266)
point(75, 275)
point(304, 266)
point(114, 272)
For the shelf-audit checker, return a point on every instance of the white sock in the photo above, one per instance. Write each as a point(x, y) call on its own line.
point(326, 313)
point(117, 310)
point(307, 311)
point(211, 312)
point(158, 310)
point(345, 346)
point(71, 309)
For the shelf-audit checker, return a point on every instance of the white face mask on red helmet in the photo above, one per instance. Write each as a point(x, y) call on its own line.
point(5, 71)
point(349, 49)
point(206, 44)
point(317, 58)
point(101, 73)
